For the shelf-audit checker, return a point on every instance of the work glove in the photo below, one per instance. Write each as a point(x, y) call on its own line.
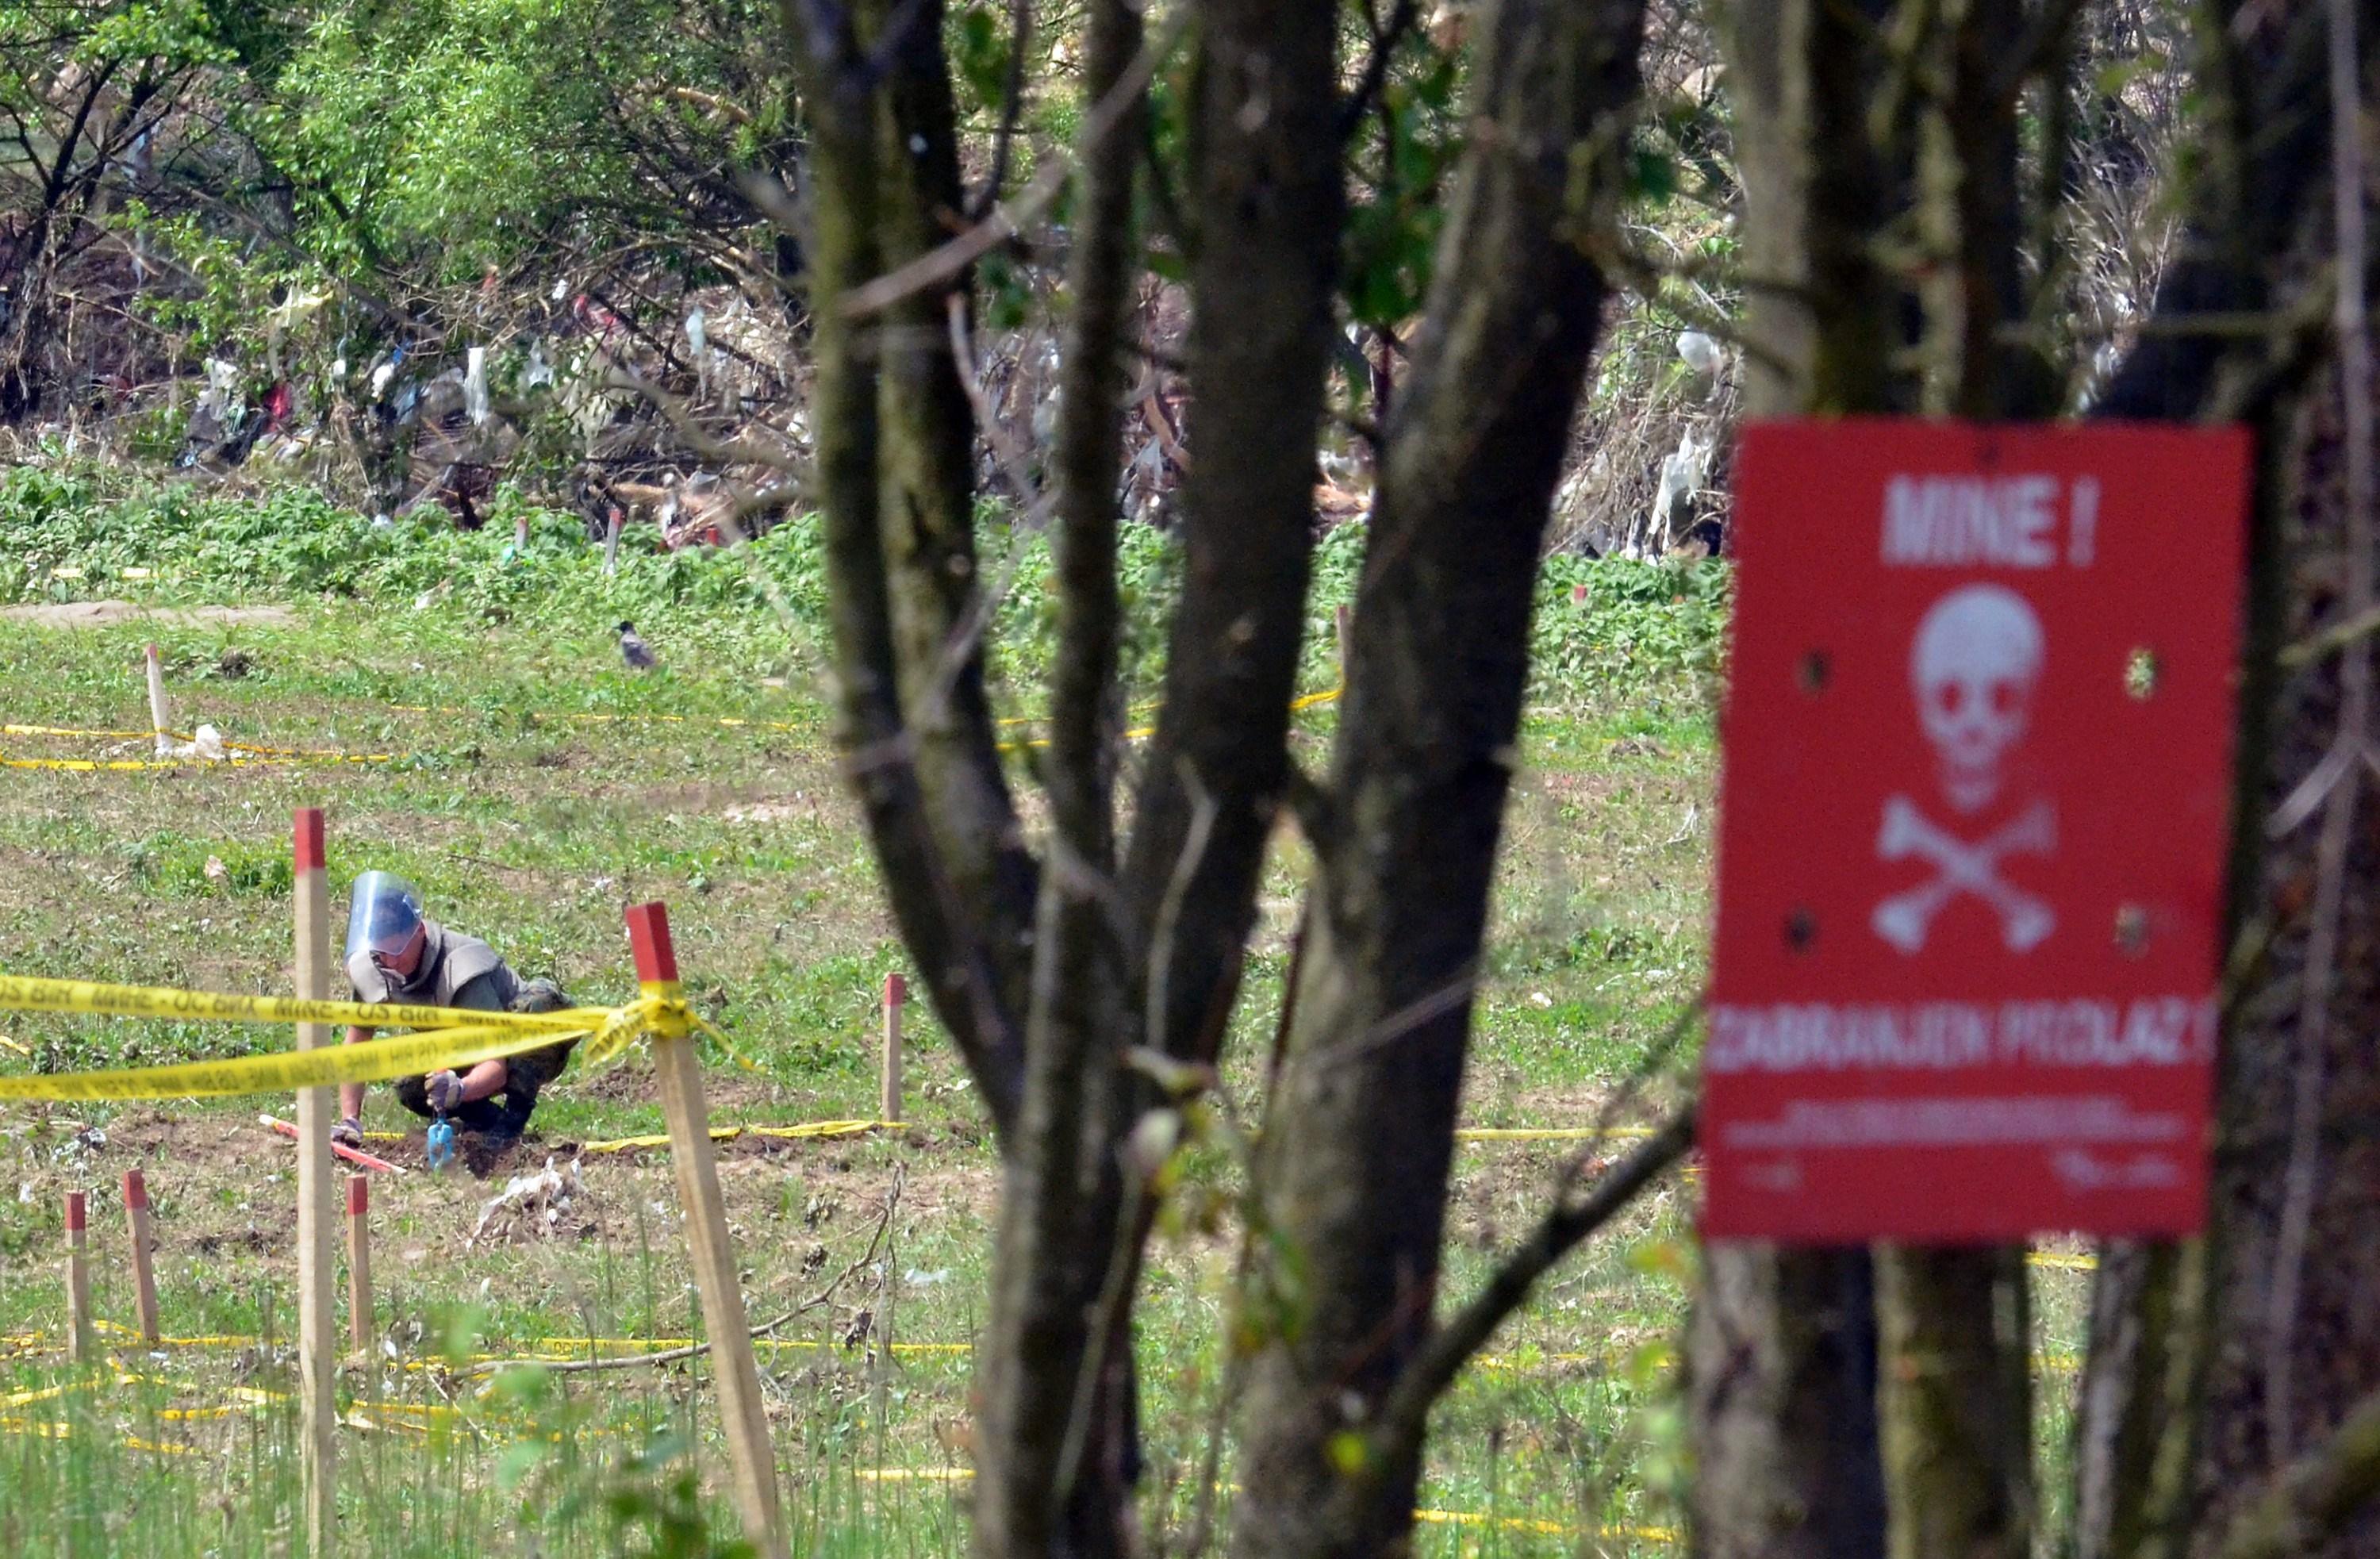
point(348, 1133)
point(445, 1091)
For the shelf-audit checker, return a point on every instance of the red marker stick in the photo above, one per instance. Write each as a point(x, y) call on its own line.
point(144, 1276)
point(318, 1323)
point(359, 1301)
point(649, 939)
point(80, 1344)
point(888, 1099)
point(741, 1410)
point(353, 1155)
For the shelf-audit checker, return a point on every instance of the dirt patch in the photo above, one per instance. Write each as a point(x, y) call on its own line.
point(101, 613)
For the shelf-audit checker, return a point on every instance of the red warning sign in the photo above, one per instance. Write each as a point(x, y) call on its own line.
point(1973, 812)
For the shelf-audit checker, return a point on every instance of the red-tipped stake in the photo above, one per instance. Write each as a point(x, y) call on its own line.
point(353, 1155)
point(888, 1102)
point(318, 1322)
point(144, 1276)
point(157, 719)
point(78, 1339)
point(740, 1409)
point(359, 1300)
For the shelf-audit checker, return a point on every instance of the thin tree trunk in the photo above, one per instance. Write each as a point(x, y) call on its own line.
point(2160, 1426)
point(2290, 1297)
point(926, 511)
point(1955, 1402)
point(1353, 1175)
point(1056, 1453)
point(1782, 1345)
point(969, 960)
point(1268, 199)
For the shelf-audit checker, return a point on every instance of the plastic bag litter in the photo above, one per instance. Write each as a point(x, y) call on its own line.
point(206, 742)
point(475, 384)
point(531, 1204)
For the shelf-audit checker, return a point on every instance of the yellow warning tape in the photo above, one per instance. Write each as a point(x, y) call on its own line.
point(730, 1133)
point(1550, 1528)
point(1553, 1133)
point(1142, 733)
point(2057, 1262)
point(223, 1341)
point(228, 745)
point(122, 765)
point(552, 1350)
point(73, 731)
point(914, 1474)
point(453, 1039)
point(585, 1348)
point(1435, 1518)
point(46, 1430)
point(590, 717)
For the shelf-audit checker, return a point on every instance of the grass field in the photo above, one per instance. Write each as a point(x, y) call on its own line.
point(535, 788)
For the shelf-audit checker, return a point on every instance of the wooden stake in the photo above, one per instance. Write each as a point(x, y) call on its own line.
point(144, 1276)
point(1343, 619)
point(611, 541)
point(359, 1299)
point(888, 1102)
point(739, 1374)
point(158, 724)
point(79, 1345)
point(318, 1336)
point(520, 535)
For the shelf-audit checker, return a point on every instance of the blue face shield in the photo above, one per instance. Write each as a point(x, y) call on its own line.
point(384, 912)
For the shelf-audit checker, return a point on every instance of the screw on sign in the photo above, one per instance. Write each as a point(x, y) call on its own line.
point(1976, 783)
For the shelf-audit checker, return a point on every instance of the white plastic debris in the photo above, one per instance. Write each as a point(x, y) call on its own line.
point(1682, 474)
point(1701, 353)
point(475, 384)
point(206, 742)
point(221, 398)
point(535, 1201)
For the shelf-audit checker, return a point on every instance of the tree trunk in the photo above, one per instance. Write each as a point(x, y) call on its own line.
point(2297, 1346)
point(1782, 1347)
point(2172, 1426)
point(1265, 161)
point(950, 852)
point(1058, 1457)
point(926, 510)
point(1353, 1172)
point(1955, 1400)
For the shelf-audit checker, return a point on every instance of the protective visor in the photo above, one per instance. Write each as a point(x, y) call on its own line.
point(384, 912)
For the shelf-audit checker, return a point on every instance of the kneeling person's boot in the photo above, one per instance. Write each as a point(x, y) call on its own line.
point(528, 1072)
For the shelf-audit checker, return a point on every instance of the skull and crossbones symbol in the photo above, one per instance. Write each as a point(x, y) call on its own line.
point(1973, 666)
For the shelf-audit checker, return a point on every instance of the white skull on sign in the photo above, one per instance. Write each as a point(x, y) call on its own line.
point(1973, 666)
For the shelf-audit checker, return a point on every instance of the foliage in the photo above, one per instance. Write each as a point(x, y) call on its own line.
point(1650, 629)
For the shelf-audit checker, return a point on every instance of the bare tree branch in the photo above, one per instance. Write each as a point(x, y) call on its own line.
point(1405, 1416)
point(1010, 218)
point(2313, 1499)
point(2352, 744)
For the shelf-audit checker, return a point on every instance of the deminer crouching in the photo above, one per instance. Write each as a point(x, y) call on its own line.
point(396, 954)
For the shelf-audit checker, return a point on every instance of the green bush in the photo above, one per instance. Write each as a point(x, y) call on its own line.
point(1642, 630)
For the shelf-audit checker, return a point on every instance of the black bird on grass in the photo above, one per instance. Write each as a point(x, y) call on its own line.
point(633, 651)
